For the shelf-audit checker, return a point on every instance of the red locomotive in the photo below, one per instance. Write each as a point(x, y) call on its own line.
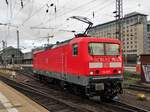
point(93, 65)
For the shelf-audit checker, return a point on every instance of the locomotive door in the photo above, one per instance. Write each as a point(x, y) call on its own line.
point(63, 66)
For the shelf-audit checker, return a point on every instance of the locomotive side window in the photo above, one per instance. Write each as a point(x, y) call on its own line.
point(75, 49)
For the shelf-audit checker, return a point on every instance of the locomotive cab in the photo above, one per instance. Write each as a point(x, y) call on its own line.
point(105, 58)
point(105, 69)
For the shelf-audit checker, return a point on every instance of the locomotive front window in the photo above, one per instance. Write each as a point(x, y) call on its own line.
point(96, 48)
point(112, 49)
point(103, 49)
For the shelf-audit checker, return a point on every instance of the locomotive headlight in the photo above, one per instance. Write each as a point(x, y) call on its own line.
point(119, 71)
point(91, 73)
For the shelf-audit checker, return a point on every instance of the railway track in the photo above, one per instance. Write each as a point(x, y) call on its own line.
point(51, 103)
point(139, 88)
point(124, 107)
point(53, 100)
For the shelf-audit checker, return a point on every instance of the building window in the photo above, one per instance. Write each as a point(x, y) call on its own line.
point(75, 49)
point(135, 33)
point(135, 19)
point(148, 27)
point(135, 28)
point(131, 20)
point(127, 22)
point(131, 35)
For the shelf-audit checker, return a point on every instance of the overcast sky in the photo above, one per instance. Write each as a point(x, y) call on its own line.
point(53, 14)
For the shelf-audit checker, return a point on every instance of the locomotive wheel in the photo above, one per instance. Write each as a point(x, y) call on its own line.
point(79, 90)
point(107, 98)
point(50, 80)
point(76, 90)
point(63, 84)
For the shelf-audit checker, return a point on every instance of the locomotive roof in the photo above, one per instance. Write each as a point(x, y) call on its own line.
point(98, 39)
point(81, 39)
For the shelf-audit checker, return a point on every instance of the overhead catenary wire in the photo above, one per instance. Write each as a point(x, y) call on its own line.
point(60, 12)
point(60, 9)
point(101, 8)
point(105, 4)
point(21, 9)
point(71, 10)
point(74, 9)
point(79, 7)
point(37, 11)
point(91, 11)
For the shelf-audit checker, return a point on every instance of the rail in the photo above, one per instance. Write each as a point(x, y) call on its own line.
point(46, 98)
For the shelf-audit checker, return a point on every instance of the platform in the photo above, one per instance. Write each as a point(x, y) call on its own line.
point(13, 101)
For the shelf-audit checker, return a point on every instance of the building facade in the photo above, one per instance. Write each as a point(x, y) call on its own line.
point(10, 55)
point(148, 34)
point(27, 58)
point(134, 34)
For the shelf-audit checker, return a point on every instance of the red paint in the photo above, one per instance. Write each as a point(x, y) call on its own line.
point(61, 59)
